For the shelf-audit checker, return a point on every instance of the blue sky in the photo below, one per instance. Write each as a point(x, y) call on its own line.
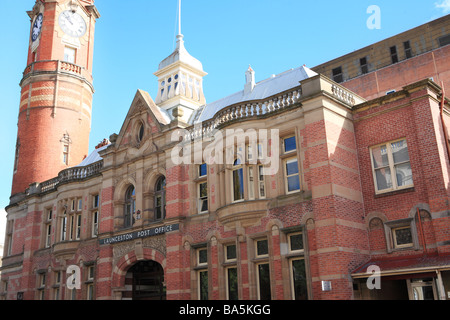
point(133, 36)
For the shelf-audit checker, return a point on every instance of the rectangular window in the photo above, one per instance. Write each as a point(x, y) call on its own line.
point(262, 248)
point(230, 253)
point(78, 227)
point(232, 283)
point(203, 285)
point(394, 56)
point(202, 170)
point(364, 66)
point(202, 261)
point(238, 184)
point(95, 201)
point(251, 184)
point(296, 242)
point(263, 273)
point(80, 204)
point(90, 291)
point(203, 197)
point(402, 237)
point(66, 154)
point(292, 175)
point(69, 54)
point(445, 40)
point(408, 50)
point(261, 183)
point(95, 224)
point(63, 227)
point(289, 144)
point(391, 166)
point(298, 279)
point(337, 75)
point(48, 235)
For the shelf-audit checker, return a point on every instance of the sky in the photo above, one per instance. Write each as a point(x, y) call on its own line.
point(132, 37)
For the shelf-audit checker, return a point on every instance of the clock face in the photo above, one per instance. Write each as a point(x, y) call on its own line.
point(72, 24)
point(37, 27)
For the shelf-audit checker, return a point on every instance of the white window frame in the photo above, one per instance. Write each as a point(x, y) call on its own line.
point(237, 168)
point(394, 238)
point(286, 176)
point(95, 224)
point(261, 182)
point(70, 54)
point(391, 165)
point(251, 183)
point(202, 199)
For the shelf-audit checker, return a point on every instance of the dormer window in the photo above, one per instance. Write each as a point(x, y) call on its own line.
point(141, 132)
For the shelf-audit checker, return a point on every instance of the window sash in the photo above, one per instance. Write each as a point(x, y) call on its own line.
point(203, 197)
point(391, 168)
point(238, 184)
point(292, 173)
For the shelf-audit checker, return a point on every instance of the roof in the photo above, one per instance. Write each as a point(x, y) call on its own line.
point(181, 54)
point(93, 157)
point(263, 89)
point(423, 263)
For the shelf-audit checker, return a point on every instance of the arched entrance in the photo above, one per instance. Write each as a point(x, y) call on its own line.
point(147, 280)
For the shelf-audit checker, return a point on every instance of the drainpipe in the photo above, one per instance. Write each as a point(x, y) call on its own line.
point(443, 122)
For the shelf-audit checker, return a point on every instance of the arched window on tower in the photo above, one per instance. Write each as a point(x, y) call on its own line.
point(160, 199)
point(130, 207)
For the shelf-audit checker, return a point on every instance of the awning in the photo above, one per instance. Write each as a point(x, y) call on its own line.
point(404, 265)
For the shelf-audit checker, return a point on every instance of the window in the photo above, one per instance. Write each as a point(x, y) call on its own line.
point(298, 279)
point(295, 242)
point(141, 132)
point(57, 284)
point(230, 253)
point(69, 54)
point(445, 40)
point(66, 154)
point(90, 283)
point(337, 75)
point(203, 197)
point(292, 175)
point(408, 50)
point(48, 228)
point(63, 226)
point(238, 181)
point(202, 170)
point(251, 184)
point(78, 226)
point(160, 199)
point(9, 237)
point(41, 286)
point(394, 56)
point(402, 237)
point(289, 144)
point(95, 201)
point(391, 166)
point(263, 274)
point(130, 207)
point(297, 266)
point(364, 66)
point(202, 262)
point(261, 184)
point(262, 248)
point(95, 224)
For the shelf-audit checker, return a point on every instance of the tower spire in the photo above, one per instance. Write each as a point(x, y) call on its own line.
point(179, 17)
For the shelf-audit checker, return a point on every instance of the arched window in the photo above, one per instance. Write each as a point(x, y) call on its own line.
point(130, 207)
point(238, 180)
point(160, 199)
point(141, 132)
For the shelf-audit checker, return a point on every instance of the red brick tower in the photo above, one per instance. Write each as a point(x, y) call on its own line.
point(56, 97)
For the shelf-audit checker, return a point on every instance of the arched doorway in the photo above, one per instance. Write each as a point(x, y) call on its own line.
point(147, 281)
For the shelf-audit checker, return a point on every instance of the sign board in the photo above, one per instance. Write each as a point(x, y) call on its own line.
point(140, 234)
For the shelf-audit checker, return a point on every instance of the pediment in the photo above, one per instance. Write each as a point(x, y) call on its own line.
point(143, 111)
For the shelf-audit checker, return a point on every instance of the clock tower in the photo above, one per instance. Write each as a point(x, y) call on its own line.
point(56, 91)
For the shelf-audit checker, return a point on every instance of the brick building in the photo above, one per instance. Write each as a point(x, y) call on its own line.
point(295, 187)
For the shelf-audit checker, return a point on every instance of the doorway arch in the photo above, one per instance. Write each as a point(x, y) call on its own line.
point(146, 279)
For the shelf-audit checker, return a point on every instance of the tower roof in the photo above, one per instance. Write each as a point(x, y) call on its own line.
point(181, 54)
